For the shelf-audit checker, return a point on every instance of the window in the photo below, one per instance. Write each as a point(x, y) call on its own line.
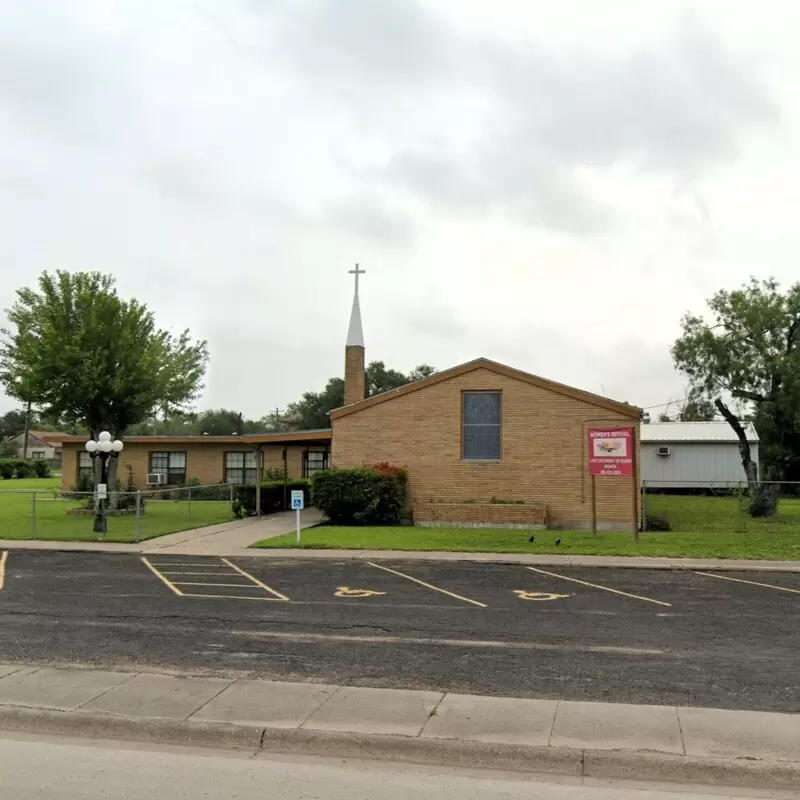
point(37, 454)
point(171, 464)
point(241, 468)
point(315, 462)
point(480, 418)
point(85, 465)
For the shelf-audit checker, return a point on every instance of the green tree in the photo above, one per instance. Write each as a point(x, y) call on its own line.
point(747, 358)
point(91, 358)
point(12, 423)
point(696, 408)
point(312, 410)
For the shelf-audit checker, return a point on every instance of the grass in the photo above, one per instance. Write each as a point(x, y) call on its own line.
point(779, 546)
point(53, 522)
point(702, 527)
point(52, 484)
point(721, 513)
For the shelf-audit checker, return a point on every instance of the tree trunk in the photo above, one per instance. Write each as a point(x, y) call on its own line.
point(750, 468)
point(763, 497)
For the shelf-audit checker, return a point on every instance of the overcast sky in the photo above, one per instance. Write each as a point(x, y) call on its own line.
point(551, 185)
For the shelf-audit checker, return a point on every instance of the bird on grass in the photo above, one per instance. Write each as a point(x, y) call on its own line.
point(558, 541)
point(533, 538)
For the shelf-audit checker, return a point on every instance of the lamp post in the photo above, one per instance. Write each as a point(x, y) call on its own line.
point(103, 448)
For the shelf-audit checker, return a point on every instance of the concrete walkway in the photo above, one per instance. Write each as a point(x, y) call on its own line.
point(576, 738)
point(230, 537)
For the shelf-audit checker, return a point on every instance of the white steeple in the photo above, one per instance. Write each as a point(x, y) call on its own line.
point(355, 333)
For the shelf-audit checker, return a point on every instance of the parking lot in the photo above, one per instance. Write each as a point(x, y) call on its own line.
point(646, 636)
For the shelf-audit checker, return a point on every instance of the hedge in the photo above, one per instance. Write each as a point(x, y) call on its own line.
point(361, 496)
point(23, 468)
point(272, 495)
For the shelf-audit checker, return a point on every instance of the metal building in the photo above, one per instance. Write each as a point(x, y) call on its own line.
point(687, 455)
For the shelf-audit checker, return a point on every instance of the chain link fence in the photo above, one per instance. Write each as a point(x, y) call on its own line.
point(130, 516)
point(727, 507)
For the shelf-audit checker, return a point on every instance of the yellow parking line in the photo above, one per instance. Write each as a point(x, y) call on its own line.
point(161, 577)
point(3, 559)
point(225, 585)
point(427, 585)
point(255, 580)
point(604, 588)
point(217, 574)
point(235, 597)
point(752, 583)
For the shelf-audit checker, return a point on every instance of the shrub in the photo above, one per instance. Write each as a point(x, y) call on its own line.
point(271, 495)
point(220, 491)
point(41, 468)
point(365, 496)
point(385, 468)
point(22, 469)
point(7, 469)
point(272, 474)
point(764, 500)
point(656, 523)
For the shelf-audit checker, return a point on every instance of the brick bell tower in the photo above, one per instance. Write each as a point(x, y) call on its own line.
point(354, 377)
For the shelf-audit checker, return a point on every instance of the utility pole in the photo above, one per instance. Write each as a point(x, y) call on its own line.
point(27, 430)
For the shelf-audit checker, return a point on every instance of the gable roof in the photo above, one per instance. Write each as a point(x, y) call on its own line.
point(714, 431)
point(50, 438)
point(500, 369)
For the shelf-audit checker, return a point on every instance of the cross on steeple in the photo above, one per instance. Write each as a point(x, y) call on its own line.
point(357, 272)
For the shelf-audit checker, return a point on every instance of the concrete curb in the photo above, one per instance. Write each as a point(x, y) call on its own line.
point(608, 764)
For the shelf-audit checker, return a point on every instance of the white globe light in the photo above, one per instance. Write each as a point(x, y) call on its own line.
point(116, 446)
point(91, 446)
point(105, 436)
point(104, 446)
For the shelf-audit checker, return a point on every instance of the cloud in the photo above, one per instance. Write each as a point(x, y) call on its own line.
point(229, 160)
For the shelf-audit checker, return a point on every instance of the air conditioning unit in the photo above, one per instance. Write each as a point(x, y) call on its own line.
point(156, 478)
point(663, 450)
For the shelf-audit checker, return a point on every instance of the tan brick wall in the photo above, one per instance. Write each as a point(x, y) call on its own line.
point(543, 449)
point(529, 513)
point(204, 461)
point(354, 377)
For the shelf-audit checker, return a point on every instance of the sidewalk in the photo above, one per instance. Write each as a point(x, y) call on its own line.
point(698, 745)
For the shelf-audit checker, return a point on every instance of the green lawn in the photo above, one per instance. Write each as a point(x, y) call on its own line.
point(52, 521)
point(782, 545)
point(702, 527)
point(52, 484)
point(721, 514)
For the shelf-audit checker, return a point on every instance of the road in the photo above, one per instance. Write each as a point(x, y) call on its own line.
point(33, 768)
point(615, 635)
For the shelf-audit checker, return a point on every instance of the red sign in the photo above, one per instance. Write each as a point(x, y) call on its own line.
point(611, 452)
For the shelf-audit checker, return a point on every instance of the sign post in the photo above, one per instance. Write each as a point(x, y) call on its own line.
point(612, 453)
point(298, 503)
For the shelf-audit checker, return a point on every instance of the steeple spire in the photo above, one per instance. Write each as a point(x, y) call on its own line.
point(355, 333)
point(355, 382)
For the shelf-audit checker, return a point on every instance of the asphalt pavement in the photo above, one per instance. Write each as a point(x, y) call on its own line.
point(685, 638)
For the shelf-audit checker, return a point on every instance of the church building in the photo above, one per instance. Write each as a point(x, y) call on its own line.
point(483, 443)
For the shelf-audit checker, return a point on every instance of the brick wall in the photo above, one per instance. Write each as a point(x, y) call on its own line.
point(204, 461)
point(354, 376)
point(502, 514)
point(543, 449)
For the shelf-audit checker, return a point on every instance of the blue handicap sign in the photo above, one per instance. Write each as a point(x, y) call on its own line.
point(297, 500)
